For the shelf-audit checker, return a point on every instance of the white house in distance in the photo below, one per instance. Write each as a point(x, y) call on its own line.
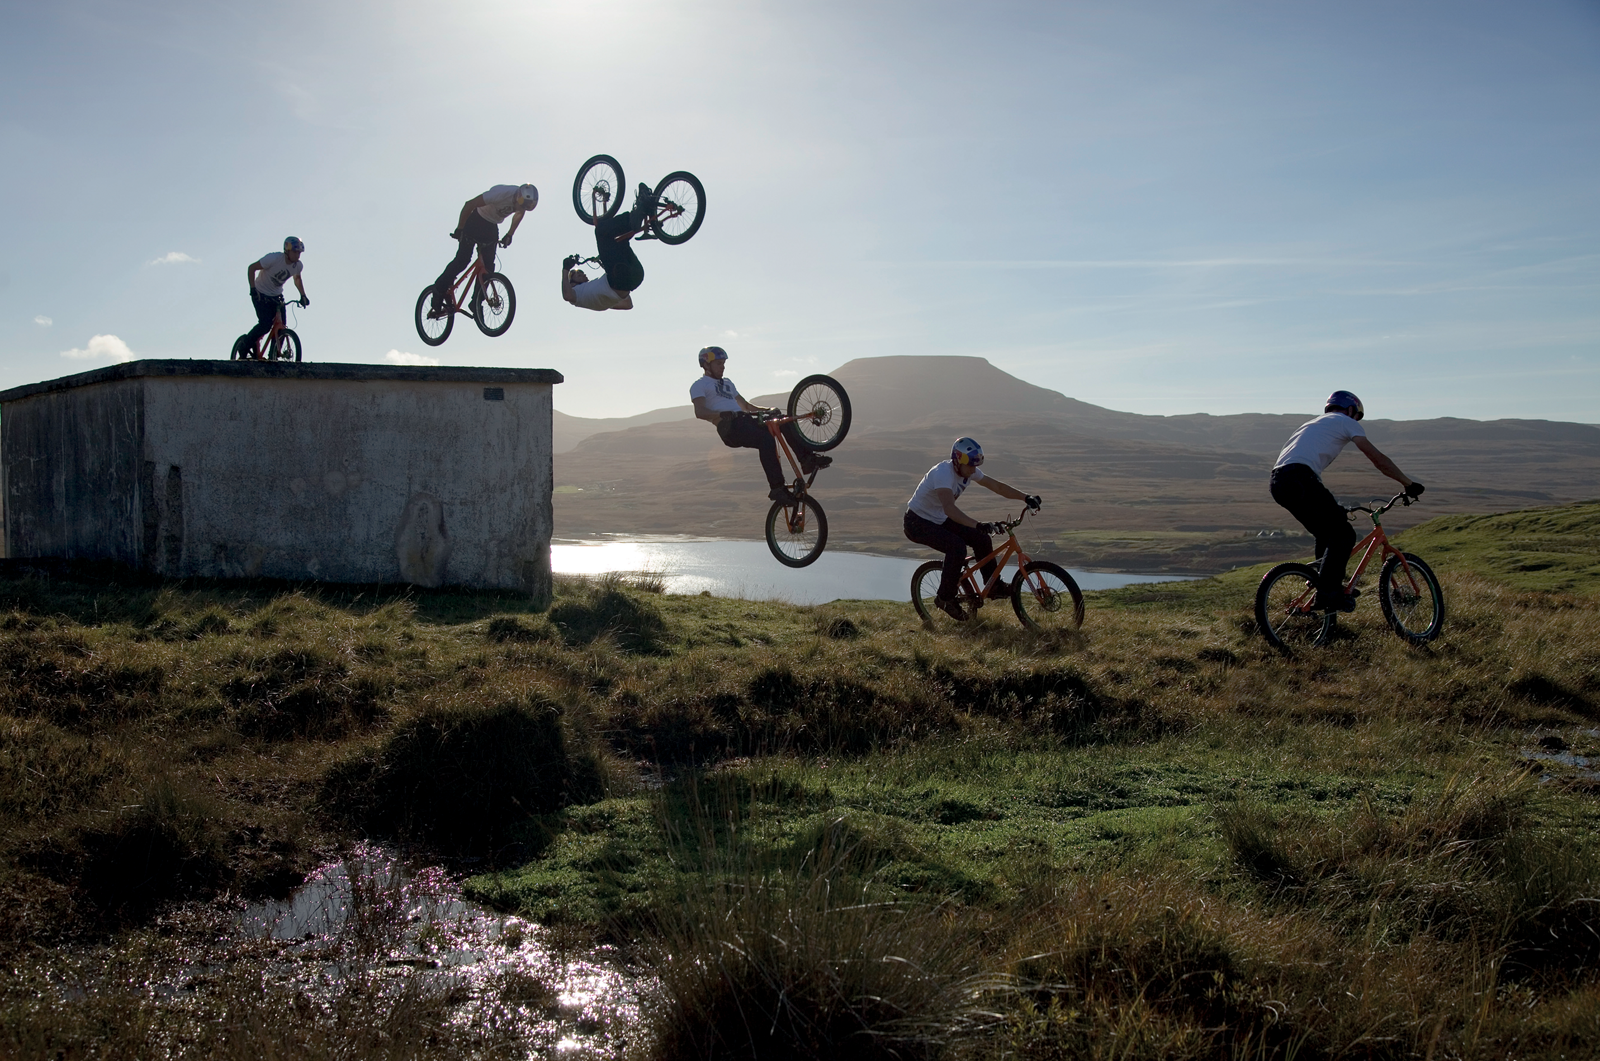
point(237, 469)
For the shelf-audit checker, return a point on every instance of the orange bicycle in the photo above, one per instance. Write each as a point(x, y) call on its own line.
point(281, 343)
point(1044, 595)
point(819, 409)
point(492, 305)
point(1408, 592)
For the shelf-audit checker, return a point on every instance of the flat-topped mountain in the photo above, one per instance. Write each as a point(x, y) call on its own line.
point(1121, 489)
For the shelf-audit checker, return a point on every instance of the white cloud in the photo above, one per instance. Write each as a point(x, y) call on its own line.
point(785, 373)
point(173, 258)
point(396, 357)
point(42, 321)
point(102, 346)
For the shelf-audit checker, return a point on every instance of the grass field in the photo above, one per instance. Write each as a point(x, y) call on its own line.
point(828, 832)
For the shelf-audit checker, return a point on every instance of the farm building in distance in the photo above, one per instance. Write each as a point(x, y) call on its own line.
point(341, 473)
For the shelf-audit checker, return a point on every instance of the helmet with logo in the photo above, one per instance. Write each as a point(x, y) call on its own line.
point(293, 243)
point(966, 453)
point(1344, 400)
point(712, 353)
point(531, 194)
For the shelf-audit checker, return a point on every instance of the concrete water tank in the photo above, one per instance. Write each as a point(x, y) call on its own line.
point(342, 473)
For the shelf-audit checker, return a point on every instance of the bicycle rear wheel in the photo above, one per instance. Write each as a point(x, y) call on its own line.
point(822, 412)
point(432, 330)
point(1411, 599)
point(494, 303)
point(285, 348)
point(797, 531)
point(925, 588)
point(1286, 608)
point(601, 175)
point(241, 349)
point(680, 207)
point(1045, 597)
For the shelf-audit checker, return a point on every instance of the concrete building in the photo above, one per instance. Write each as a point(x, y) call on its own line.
point(342, 473)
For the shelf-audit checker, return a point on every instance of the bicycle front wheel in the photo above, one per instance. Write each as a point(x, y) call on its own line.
point(680, 207)
point(797, 531)
point(1411, 599)
point(600, 179)
point(1286, 608)
point(432, 330)
point(1045, 597)
point(494, 303)
point(821, 410)
point(286, 347)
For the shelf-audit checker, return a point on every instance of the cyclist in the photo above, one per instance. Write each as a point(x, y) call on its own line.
point(932, 519)
point(479, 226)
point(1297, 486)
point(716, 399)
point(623, 273)
point(267, 277)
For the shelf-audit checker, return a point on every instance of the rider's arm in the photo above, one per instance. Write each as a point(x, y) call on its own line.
point(566, 286)
point(749, 408)
point(516, 219)
point(1382, 463)
point(947, 501)
point(466, 211)
point(627, 301)
point(703, 413)
point(302, 288)
point(1002, 489)
point(250, 273)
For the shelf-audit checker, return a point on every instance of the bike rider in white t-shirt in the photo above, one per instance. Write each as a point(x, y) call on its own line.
point(716, 399)
point(623, 271)
point(932, 518)
point(1297, 486)
point(479, 226)
point(267, 277)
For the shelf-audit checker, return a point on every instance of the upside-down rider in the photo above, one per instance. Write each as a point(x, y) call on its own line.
point(479, 227)
point(932, 519)
point(738, 425)
point(1297, 486)
point(623, 274)
point(267, 277)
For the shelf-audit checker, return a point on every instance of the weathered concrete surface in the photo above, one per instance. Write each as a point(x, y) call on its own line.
point(346, 473)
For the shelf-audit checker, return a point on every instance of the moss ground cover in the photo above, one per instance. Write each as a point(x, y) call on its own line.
point(1154, 838)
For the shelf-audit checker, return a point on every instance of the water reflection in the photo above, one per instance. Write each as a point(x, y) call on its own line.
point(747, 570)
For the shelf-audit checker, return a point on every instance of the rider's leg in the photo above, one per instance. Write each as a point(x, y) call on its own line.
point(942, 538)
point(1297, 488)
point(809, 460)
point(266, 312)
point(477, 233)
point(621, 264)
point(743, 431)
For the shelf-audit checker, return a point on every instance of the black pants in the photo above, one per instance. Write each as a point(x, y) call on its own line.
point(623, 271)
point(480, 233)
point(267, 309)
point(1297, 488)
point(743, 431)
point(951, 539)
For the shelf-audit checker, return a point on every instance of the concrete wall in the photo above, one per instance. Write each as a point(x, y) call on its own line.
point(332, 472)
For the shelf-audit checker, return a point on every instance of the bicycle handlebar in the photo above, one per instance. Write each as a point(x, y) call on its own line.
point(1402, 498)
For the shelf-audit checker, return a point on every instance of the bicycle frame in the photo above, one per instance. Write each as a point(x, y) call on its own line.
point(279, 323)
point(1009, 548)
point(1376, 540)
point(463, 283)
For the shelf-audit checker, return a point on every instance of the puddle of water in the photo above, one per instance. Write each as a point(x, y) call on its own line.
point(1555, 751)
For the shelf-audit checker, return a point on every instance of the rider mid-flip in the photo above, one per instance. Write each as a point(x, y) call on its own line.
point(613, 238)
point(716, 399)
point(479, 226)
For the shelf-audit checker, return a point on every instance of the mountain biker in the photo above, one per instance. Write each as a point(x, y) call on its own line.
point(932, 519)
point(623, 273)
point(267, 277)
point(479, 226)
point(1297, 486)
point(716, 399)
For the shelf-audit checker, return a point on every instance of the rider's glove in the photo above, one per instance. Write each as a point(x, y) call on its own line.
point(1414, 489)
point(505, 241)
point(305, 300)
point(569, 263)
point(1033, 501)
point(989, 528)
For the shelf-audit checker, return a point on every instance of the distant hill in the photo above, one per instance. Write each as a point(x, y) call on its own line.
point(1121, 489)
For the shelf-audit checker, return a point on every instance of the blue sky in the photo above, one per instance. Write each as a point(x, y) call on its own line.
point(1159, 207)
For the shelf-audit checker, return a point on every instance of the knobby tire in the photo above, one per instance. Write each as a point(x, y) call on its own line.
point(435, 330)
point(683, 191)
point(1415, 613)
point(822, 412)
point(796, 548)
point(606, 169)
point(494, 304)
point(1285, 612)
point(1046, 597)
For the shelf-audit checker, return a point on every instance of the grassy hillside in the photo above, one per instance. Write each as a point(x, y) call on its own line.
point(1155, 835)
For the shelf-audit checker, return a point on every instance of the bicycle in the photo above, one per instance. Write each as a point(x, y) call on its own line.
point(599, 188)
point(492, 305)
point(281, 343)
point(1408, 592)
point(1044, 596)
point(819, 409)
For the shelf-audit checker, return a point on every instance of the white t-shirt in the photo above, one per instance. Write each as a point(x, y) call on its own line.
point(276, 269)
point(720, 394)
point(941, 476)
point(1319, 441)
point(499, 203)
point(596, 294)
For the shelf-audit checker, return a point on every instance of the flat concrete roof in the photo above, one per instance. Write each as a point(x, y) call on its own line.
point(285, 370)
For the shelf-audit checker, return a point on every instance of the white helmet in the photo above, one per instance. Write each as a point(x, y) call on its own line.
point(966, 451)
point(531, 194)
